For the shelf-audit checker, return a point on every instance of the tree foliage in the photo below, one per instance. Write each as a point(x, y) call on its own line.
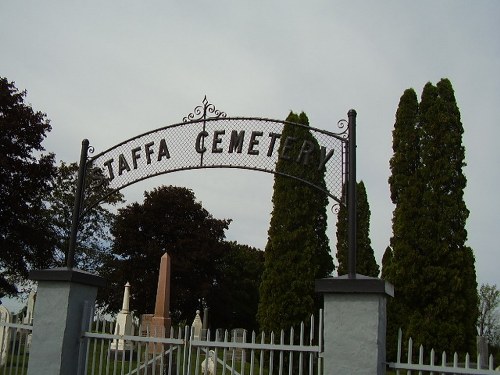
point(26, 178)
point(488, 324)
point(432, 269)
point(297, 250)
point(235, 297)
point(169, 220)
point(94, 238)
point(365, 257)
point(398, 260)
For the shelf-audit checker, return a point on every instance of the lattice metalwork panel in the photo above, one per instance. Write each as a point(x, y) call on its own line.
point(246, 143)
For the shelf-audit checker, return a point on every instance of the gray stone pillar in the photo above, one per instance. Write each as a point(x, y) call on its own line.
point(482, 349)
point(355, 321)
point(57, 320)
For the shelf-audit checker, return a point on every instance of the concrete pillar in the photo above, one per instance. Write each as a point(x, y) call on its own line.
point(482, 349)
point(355, 321)
point(57, 319)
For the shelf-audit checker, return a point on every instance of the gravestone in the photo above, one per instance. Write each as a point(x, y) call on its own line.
point(145, 325)
point(197, 327)
point(123, 324)
point(160, 323)
point(238, 335)
point(482, 350)
point(5, 317)
point(30, 307)
point(28, 318)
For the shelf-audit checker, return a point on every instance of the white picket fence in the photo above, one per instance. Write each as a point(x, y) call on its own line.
point(182, 354)
point(14, 347)
point(445, 367)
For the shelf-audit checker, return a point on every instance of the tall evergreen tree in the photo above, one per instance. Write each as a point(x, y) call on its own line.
point(365, 258)
point(400, 264)
point(432, 268)
point(449, 287)
point(297, 251)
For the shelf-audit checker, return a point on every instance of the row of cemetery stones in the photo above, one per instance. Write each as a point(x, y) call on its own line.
point(9, 338)
point(124, 324)
point(24, 316)
point(158, 324)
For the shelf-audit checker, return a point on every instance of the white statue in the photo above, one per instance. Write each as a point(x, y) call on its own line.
point(211, 364)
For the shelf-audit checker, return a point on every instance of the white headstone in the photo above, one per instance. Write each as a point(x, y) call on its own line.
point(124, 326)
point(238, 335)
point(4, 334)
point(30, 307)
point(197, 326)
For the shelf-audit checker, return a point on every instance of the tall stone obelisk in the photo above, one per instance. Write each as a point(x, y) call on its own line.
point(160, 323)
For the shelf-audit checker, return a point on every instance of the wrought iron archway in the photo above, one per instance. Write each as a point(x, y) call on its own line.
point(207, 138)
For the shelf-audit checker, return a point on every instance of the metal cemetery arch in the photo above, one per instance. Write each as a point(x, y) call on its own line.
point(207, 138)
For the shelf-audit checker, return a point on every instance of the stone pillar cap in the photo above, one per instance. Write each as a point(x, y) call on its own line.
point(67, 274)
point(359, 284)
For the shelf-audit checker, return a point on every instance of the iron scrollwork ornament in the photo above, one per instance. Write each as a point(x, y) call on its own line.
point(335, 208)
point(204, 111)
point(343, 126)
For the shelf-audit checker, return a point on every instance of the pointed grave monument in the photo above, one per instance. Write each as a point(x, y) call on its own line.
point(160, 323)
point(124, 325)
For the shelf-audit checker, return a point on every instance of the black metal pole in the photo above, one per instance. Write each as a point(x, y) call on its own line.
point(351, 195)
point(70, 258)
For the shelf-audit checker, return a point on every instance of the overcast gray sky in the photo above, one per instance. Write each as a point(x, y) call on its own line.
point(108, 71)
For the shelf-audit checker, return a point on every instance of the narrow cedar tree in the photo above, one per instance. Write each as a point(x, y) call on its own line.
point(297, 251)
point(400, 266)
point(365, 258)
point(447, 305)
point(432, 268)
point(26, 178)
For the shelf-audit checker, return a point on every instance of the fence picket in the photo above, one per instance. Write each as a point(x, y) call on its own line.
point(282, 342)
point(443, 368)
point(431, 360)
point(261, 367)
point(252, 354)
point(421, 357)
point(243, 354)
point(290, 356)
point(271, 355)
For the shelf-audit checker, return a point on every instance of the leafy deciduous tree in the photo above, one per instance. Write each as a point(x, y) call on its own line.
point(93, 239)
point(169, 220)
point(235, 297)
point(488, 321)
point(26, 176)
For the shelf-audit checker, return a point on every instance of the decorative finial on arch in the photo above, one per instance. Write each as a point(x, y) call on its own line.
point(204, 111)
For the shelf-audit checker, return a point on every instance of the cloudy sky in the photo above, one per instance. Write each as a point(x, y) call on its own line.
point(108, 71)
